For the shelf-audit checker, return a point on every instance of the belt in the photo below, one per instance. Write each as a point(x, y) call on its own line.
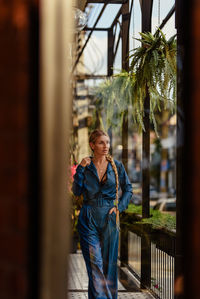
point(99, 201)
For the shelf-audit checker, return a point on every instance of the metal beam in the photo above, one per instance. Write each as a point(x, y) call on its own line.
point(125, 36)
point(117, 17)
point(104, 29)
point(146, 7)
point(168, 16)
point(108, 2)
point(114, 23)
point(117, 45)
point(125, 66)
point(96, 29)
point(89, 77)
point(110, 58)
point(97, 20)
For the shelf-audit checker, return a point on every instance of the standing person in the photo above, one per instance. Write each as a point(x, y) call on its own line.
point(99, 179)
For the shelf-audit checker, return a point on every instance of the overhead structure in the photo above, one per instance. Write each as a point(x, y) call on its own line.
point(111, 34)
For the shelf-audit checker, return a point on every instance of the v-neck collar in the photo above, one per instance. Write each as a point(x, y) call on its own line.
point(93, 168)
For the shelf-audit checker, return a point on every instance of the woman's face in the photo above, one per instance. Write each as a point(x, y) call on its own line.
point(101, 145)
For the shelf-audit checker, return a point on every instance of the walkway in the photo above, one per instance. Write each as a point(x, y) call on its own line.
point(78, 281)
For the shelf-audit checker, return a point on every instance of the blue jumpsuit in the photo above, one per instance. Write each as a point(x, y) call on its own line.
point(97, 228)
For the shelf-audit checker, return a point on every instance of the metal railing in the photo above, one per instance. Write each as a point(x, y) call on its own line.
point(149, 255)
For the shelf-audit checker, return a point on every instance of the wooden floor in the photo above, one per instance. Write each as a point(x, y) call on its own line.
point(78, 282)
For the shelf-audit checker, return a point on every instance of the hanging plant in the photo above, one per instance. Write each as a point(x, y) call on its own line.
point(154, 65)
point(100, 95)
point(115, 94)
point(152, 70)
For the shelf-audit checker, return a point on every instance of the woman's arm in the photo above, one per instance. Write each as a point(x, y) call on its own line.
point(126, 189)
point(77, 186)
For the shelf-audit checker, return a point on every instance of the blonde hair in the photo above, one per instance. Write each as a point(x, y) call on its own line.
point(114, 167)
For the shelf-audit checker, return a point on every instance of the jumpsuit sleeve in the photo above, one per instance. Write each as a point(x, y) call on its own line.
point(126, 189)
point(77, 186)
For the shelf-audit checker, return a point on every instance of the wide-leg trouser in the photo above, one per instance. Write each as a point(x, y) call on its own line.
point(99, 238)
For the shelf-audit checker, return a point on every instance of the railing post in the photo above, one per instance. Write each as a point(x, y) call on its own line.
point(145, 259)
point(124, 245)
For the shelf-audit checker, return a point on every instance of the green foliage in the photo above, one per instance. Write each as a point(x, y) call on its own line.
point(134, 209)
point(115, 95)
point(153, 71)
point(154, 65)
point(157, 219)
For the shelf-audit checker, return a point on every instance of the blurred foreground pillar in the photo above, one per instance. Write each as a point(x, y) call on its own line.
point(188, 111)
point(55, 121)
point(19, 163)
point(192, 151)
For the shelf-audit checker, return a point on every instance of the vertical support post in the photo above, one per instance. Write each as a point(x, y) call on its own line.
point(125, 140)
point(110, 61)
point(164, 154)
point(146, 7)
point(110, 52)
point(111, 139)
point(183, 95)
point(125, 66)
point(146, 159)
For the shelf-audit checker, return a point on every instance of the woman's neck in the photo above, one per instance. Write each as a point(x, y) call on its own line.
point(99, 159)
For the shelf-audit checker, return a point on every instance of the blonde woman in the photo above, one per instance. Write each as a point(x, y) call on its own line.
point(99, 179)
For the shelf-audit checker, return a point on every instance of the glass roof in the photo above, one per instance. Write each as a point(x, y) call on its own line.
point(95, 54)
point(106, 19)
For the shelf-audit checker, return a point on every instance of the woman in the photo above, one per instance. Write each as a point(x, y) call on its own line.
point(99, 178)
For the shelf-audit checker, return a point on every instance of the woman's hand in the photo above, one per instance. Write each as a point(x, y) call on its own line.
point(86, 161)
point(114, 209)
